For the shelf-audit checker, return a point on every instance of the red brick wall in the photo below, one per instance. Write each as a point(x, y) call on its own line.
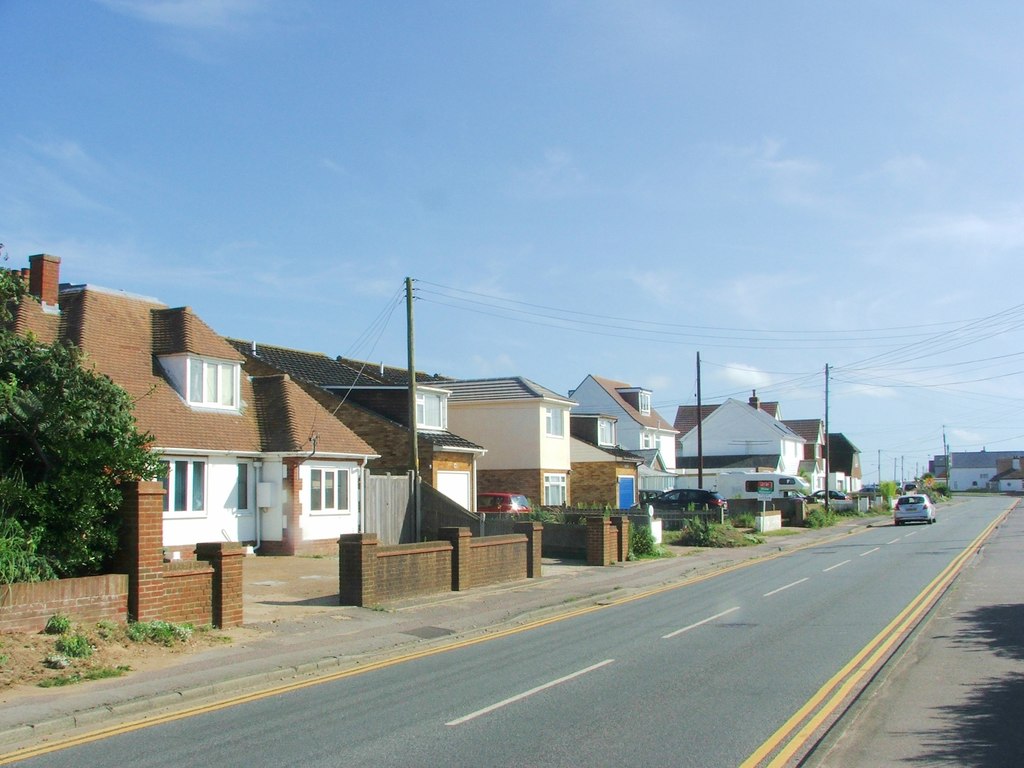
point(407, 570)
point(529, 482)
point(188, 593)
point(494, 559)
point(27, 607)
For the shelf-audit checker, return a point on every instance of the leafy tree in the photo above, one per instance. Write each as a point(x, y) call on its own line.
point(67, 439)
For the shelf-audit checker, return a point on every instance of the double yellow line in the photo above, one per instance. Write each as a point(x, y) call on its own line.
point(794, 734)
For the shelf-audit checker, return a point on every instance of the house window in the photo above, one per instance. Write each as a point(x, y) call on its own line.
point(554, 490)
point(553, 423)
point(646, 440)
point(605, 432)
point(212, 384)
point(644, 401)
point(185, 486)
point(431, 410)
point(328, 490)
point(242, 487)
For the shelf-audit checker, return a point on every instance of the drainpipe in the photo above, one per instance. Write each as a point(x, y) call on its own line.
point(257, 464)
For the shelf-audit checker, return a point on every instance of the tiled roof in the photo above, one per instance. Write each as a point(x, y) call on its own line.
point(686, 416)
point(808, 429)
point(500, 389)
point(291, 421)
point(653, 420)
point(120, 336)
point(319, 370)
point(981, 459)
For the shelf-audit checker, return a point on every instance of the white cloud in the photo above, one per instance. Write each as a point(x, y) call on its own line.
point(992, 231)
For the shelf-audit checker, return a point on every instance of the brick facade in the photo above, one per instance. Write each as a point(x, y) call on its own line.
point(597, 482)
point(27, 607)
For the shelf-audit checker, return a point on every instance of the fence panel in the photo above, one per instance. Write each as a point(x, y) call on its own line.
point(389, 510)
point(439, 511)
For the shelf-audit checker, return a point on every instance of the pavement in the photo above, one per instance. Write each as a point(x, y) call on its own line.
point(294, 632)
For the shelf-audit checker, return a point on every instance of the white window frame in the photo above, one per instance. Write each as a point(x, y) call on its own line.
point(180, 481)
point(212, 383)
point(441, 422)
point(317, 498)
point(605, 432)
point(643, 400)
point(554, 422)
point(556, 489)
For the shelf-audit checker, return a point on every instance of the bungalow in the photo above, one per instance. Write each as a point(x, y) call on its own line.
point(252, 459)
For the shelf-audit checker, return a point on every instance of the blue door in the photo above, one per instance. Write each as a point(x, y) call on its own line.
point(627, 492)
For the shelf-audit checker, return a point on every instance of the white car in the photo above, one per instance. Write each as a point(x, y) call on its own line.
point(913, 508)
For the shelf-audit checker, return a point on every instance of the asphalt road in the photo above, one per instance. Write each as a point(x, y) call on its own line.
point(703, 675)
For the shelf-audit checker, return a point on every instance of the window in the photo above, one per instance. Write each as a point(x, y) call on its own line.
point(605, 432)
point(644, 401)
point(185, 486)
point(242, 487)
point(553, 423)
point(328, 490)
point(212, 384)
point(554, 490)
point(431, 410)
point(646, 440)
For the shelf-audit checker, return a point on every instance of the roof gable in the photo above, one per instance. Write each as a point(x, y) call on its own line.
point(501, 389)
point(614, 391)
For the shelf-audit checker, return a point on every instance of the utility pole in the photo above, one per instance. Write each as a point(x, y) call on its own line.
point(700, 432)
point(414, 447)
point(827, 445)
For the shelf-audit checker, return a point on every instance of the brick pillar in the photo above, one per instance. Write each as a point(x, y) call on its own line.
point(227, 559)
point(141, 553)
point(357, 569)
point(534, 531)
point(461, 553)
point(621, 523)
point(599, 541)
point(291, 536)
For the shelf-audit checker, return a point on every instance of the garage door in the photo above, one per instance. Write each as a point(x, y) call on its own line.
point(455, 485)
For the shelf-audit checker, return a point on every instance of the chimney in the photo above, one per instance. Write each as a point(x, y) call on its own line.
point(755, 403)
point(44, 277)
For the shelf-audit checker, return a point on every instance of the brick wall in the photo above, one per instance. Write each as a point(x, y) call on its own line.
point(529, 482)
point(370, 574)
point(27, 607)
point(188, 593)
point(595, 482)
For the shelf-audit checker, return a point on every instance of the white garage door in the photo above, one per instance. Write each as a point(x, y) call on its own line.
point(455, 485)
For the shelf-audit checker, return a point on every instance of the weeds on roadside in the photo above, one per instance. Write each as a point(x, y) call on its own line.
point(74, 646)
point(162, 632)
point(58, 624)
point(77, 677)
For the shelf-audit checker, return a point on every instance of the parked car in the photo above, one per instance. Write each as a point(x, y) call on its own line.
point(646, 497)
point(913, 508)
point(871, 489)
point(690, 499)
point(832, 495)
point(500, 501)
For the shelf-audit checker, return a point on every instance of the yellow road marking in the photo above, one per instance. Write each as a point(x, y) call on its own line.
point(787, 740)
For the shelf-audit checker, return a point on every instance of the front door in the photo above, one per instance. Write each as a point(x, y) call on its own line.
point(627, 492)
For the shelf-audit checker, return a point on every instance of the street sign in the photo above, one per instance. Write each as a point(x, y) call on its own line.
point(765, 487)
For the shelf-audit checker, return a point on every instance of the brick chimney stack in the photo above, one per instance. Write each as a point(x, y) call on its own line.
point(44, 277)
point(754, 401)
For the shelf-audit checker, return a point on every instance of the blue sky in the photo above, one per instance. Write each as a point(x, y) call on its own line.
point(576, 187)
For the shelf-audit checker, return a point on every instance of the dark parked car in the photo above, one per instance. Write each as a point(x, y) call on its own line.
point(690, 499)
point(832, 495)
point(509, 503)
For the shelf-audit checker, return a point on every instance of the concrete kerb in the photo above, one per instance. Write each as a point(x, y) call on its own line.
point(584, 588)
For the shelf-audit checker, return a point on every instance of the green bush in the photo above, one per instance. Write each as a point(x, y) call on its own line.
point(746, 520)
point(58, 624)
point(819, 517)
point(641, 542)
point(19, 561)
point(74, 646)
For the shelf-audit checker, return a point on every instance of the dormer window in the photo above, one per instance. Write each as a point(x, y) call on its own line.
point(431, 410)
point(644, 403)
point(605, 432)
point(212, 384)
